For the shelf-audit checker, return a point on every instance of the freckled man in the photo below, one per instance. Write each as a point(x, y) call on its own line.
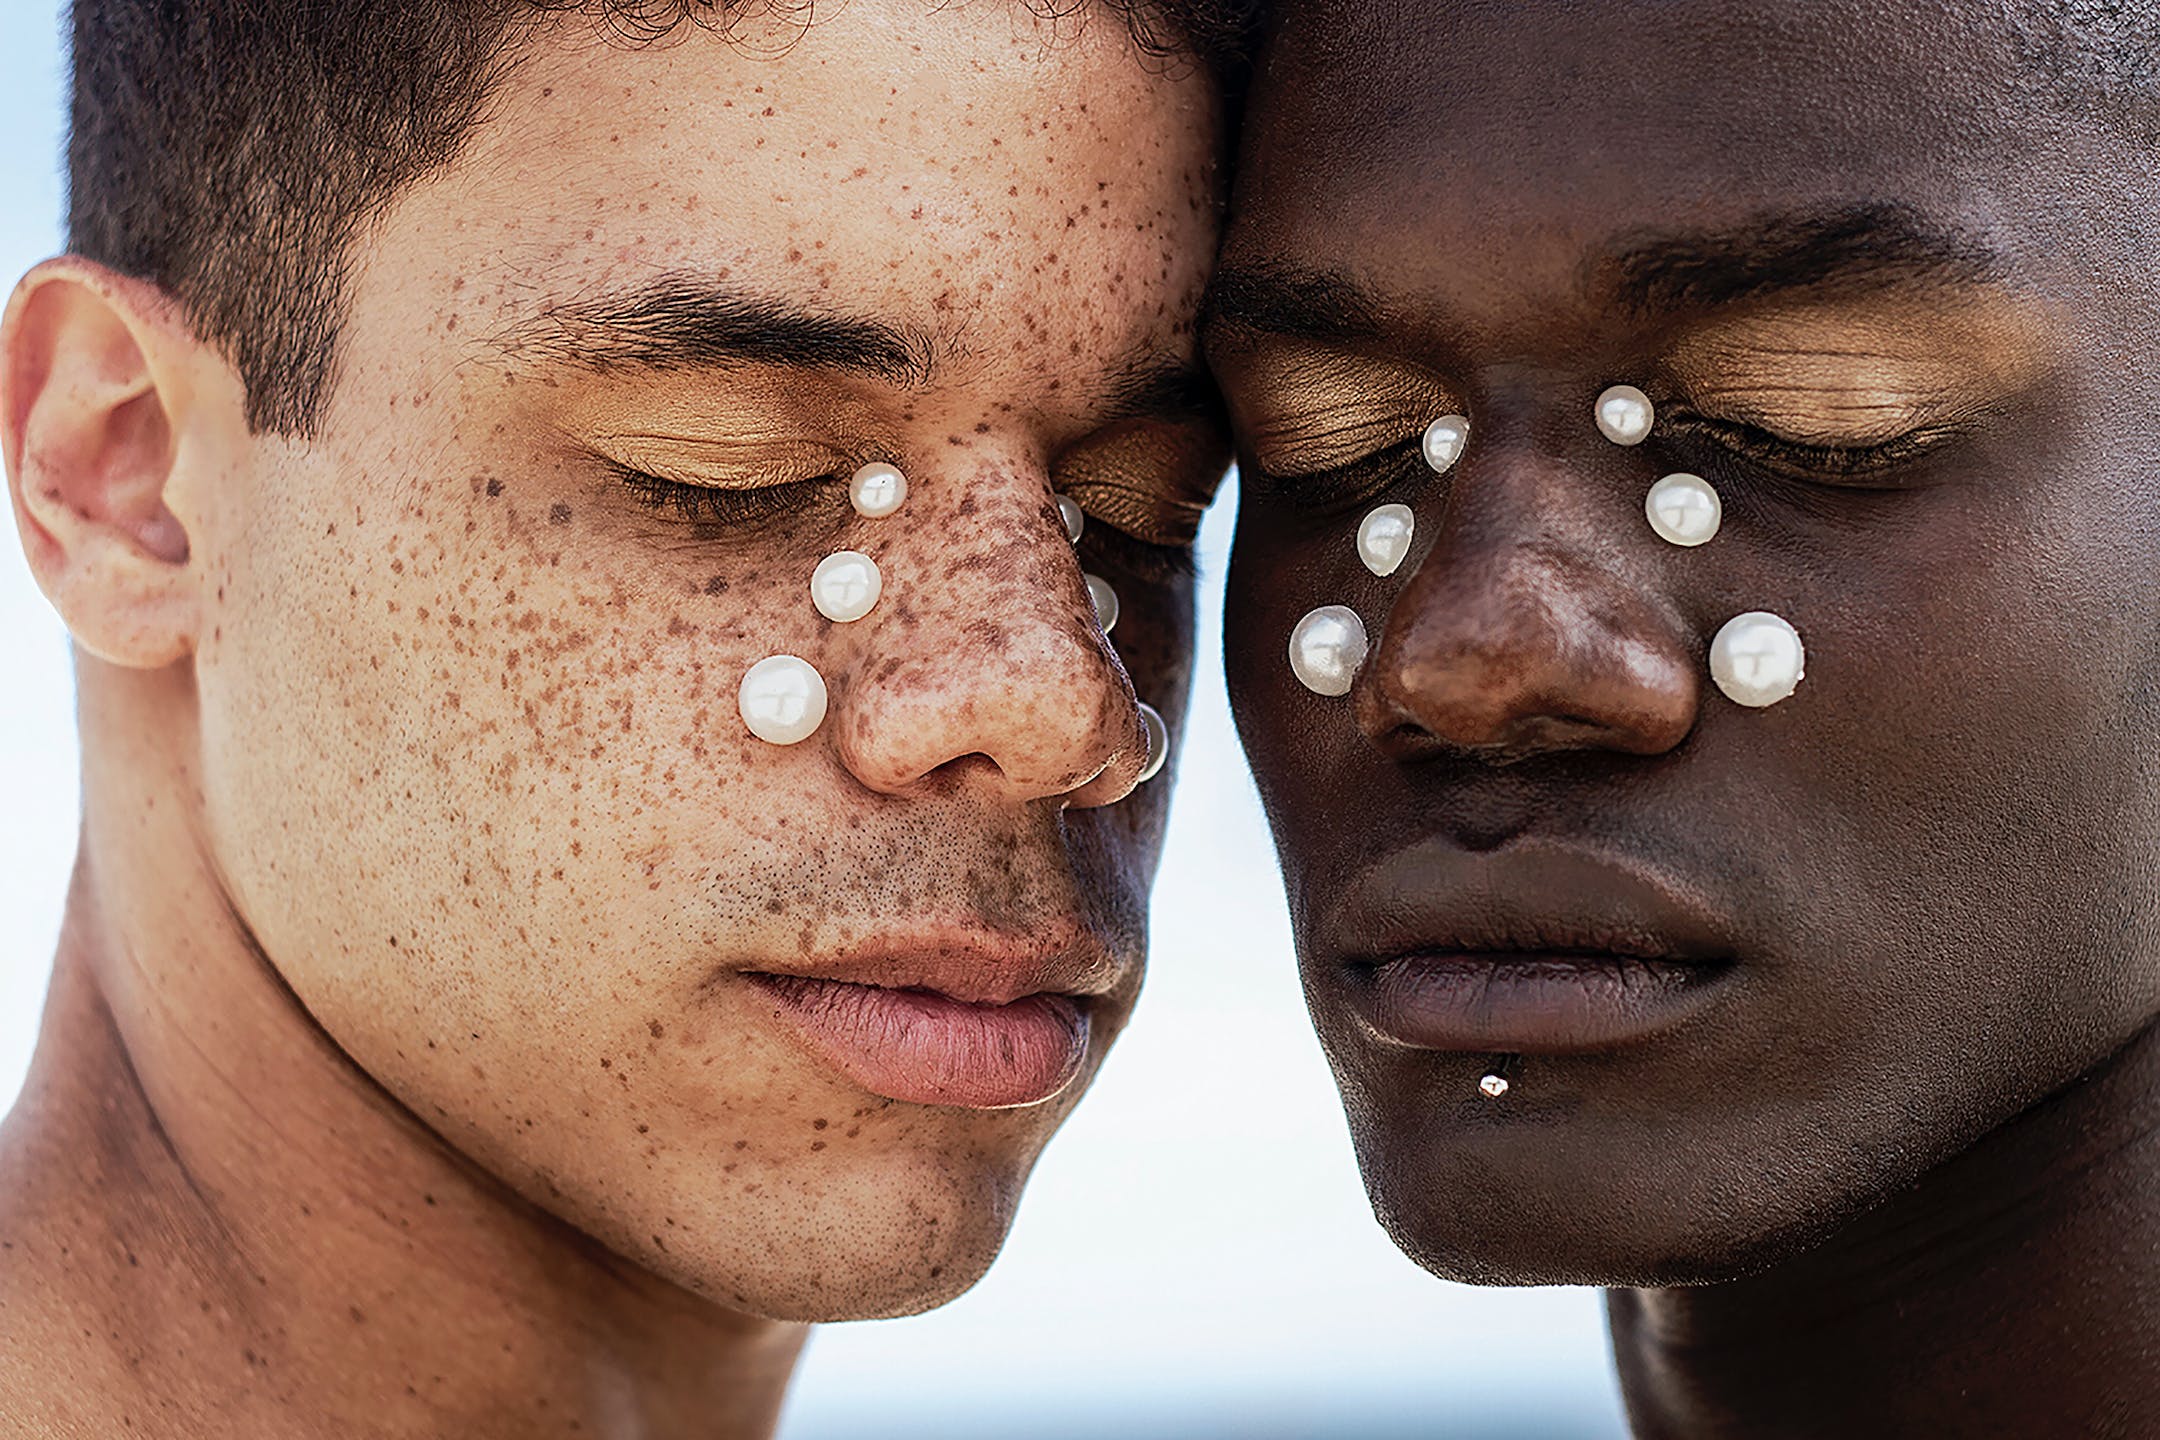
point(545, 928)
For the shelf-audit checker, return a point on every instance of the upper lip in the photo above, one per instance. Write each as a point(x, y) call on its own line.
point(970, 961)
point(1529, 898)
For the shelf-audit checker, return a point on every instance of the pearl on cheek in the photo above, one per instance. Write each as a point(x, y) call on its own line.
point(845, 586)
point(1383, 538)
point(1757, 659)
point(1105, 600)
point(1625, 415)
point(877, 490)
point(782, 699)
point(1158, 742)
point(1326, 649)
point(1444, 441)
point(1684, 509)
point(1074, 517)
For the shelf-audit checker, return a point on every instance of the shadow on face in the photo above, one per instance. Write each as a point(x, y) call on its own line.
point(1881, 271)
point(493, 811)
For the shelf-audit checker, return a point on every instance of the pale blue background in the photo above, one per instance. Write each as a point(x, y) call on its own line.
point(1195, 1257)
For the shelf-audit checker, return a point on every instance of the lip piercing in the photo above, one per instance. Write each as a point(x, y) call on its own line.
point(1625, 415)
point(1383, 538)
point(782, 699)
point(1444, 441)
point(1105, 601)
point(1326, 649)
point(1495, 1084)
point(1757, 659)
point(845, 586)
point(877, 490)
point(1684, 509)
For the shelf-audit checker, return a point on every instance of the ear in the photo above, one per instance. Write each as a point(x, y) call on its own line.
point(99, 383)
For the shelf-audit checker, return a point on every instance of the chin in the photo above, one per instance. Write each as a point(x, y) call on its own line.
point(1554, 1204)
point(882, 1235)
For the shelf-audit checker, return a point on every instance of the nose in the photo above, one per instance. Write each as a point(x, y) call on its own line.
point(994, 666)
point(1524, 633)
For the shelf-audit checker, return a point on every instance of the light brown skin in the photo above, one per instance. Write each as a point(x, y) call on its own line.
point(399, 1077)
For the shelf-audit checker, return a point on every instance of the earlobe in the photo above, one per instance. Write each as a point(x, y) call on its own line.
point(95, 400)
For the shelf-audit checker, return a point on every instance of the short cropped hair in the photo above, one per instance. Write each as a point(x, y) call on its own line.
point(231, 150)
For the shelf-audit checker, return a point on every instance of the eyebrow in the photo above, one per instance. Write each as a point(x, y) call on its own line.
point(1869, 244)
point(686, 322)
point(1291, 300)
point(1650, 274)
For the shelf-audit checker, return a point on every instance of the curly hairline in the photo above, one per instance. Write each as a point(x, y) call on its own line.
point(232, 152)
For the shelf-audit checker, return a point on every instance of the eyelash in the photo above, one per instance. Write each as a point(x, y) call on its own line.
point(1851, 465)
point(712, 505)
point(1345, 485)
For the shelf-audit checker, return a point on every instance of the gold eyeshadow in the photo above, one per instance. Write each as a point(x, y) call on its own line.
point(1152, 480)
point(1853, 375)
point(1302, 409)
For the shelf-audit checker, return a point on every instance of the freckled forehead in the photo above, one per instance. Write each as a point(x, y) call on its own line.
point(916, 162)
point(1440, 128)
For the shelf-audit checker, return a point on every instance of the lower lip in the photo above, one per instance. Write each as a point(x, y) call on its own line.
point(921, 1046)
point(1530, 1004)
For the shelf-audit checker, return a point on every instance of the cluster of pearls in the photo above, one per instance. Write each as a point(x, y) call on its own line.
point(1328, 646)
point(1756, 659)
point(782, 698)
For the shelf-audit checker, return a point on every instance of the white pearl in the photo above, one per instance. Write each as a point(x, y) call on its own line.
point(782, 699)
point(1757, 659)
point(1158, 742)
point(1106, 603)
point(1383, 538)
point(1444, 441)
point(1074, 517)
point(1624, 415)
point(1492, 1087)
point(845, 586)
point(1326, 649)
point(877, 489)
point(1684, 509)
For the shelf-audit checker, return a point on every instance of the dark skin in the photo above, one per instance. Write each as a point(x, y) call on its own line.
point(1884, 270)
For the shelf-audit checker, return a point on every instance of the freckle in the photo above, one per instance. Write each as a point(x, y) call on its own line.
point(819, 1124)
point(494, 488)
point(714, 585)
point(817, 1145)
point(658, 1030)
point(558, 514)
point(644, 1129)
point(606, 1064)
point(742, 1144)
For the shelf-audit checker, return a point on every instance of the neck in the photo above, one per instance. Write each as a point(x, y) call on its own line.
point(216, 1223)
point(2011, 1292)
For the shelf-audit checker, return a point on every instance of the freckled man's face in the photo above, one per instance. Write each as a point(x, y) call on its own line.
point(1886, 274)
point(474, 766)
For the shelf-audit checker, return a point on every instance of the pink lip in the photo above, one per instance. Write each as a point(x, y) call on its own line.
point(931, 1048)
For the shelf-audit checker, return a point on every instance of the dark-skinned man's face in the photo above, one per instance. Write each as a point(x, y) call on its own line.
point(1886, 272)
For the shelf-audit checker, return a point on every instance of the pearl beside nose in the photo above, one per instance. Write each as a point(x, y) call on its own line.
point(1625, 415)
point(1444, 441)
point(1105, 601)
point(1684, 509)
point(782, 699)
point(877, 490)
point(1383, 538)
point(1326, 649)
point(1757, 659)
point(1158, 742)
point(845, 586)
